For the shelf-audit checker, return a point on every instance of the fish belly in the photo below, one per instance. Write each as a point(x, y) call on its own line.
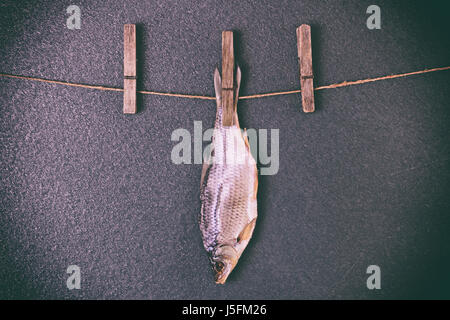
point(228, 192)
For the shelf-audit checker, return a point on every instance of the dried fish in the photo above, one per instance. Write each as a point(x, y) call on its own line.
point(229, 186)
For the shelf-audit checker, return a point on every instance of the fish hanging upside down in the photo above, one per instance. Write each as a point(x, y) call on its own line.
point(229, 184)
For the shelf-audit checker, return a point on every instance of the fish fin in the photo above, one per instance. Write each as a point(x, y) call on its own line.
point(236, 95)
point(246, 233)
point(205, 167)
point(218, 87)
point(245, 137)
point(255, 185)
point(236, 120)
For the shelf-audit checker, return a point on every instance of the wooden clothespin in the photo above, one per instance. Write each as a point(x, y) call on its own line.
point(306, 71)
point(129, 68)
point(228, 98)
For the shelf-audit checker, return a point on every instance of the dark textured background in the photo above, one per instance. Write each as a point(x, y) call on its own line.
point(364, 180)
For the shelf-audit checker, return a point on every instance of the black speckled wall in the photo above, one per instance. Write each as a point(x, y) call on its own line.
point(362, 181)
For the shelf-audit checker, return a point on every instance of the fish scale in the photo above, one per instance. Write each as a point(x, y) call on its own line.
point(225, 191)
point(228, 194)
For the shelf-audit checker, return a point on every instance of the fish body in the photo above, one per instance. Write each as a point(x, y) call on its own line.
point(229, 186)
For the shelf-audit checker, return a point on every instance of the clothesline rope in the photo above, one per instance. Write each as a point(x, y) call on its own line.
point(254, 96)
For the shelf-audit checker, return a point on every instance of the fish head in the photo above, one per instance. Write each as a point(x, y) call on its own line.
point(223, 262)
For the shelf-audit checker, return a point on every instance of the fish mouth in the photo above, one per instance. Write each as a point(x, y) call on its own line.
point(221, 279)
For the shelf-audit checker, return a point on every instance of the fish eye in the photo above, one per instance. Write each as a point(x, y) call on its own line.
point(218, 266)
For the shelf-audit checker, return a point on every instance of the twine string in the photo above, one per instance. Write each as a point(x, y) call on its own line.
point(254, 96)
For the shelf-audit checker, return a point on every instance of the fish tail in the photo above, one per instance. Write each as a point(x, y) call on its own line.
point(218, 90)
